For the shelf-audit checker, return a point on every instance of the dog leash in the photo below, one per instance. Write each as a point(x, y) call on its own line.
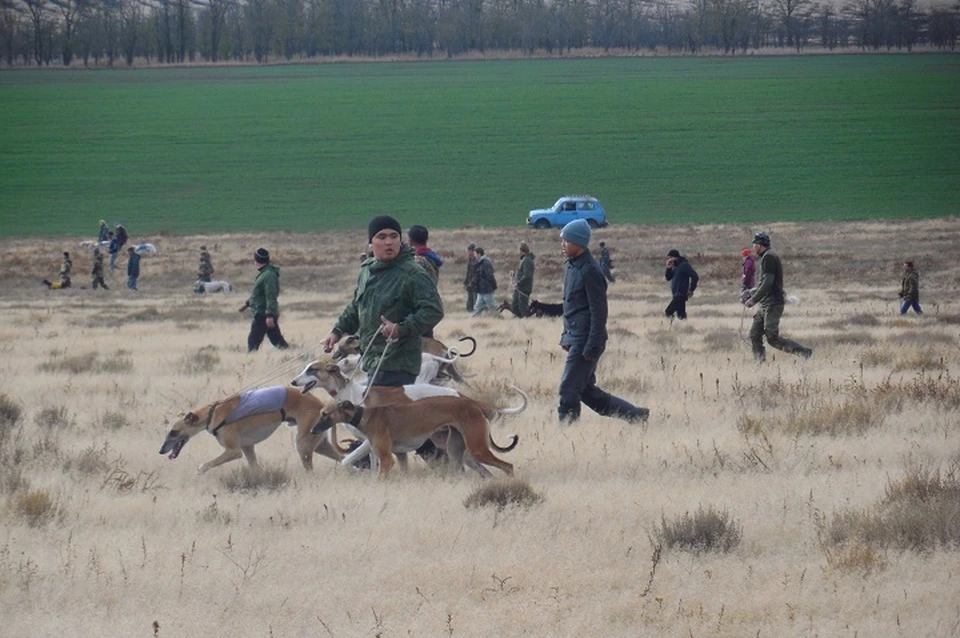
point(383, 355)
point(278, 369)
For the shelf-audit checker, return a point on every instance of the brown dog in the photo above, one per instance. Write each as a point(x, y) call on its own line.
point(403, 428)
point(239, 436)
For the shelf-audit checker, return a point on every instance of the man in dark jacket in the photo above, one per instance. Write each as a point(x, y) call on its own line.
point(133, 268)
point(910, 289)
point(523, 285)
point(683, 281)
point(470, 280)
point(394, 299)
point(769, 294)
point(263, 304)
point(486, 284)
point(584, 335)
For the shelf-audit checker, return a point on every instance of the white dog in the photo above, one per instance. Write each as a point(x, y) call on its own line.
point(145, 249)
point(90, 244)
point(213, 286)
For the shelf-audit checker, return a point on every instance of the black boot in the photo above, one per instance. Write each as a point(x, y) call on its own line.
point(568, 415)
point(606, 404)
point(47, 283)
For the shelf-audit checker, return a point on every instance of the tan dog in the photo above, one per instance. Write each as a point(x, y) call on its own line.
point(403, 428)
point(239, 436)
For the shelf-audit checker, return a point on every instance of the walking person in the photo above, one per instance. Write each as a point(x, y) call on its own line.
point(606, 264)
point(121, 235)
point(523, 284)
point(205, 269)
point(486, 284)
point(102, 232)
point(769, 294)
point(113, 249)
point(584, 335)
point(748, 276)
point(133, 268)
point(683, 281)
point(263, 304)
point(98, 269)
point(910, 289)
point(470, 280)
point(65, 267)
point(394, 299)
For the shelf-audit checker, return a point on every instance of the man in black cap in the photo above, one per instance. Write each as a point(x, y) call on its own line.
point(769, 294)
point(683, 281)
point(263, 304)
point(470, 281)
point(394, 303)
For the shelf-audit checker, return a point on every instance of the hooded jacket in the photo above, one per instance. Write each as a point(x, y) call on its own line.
point(430, 262)
point(585, 305)
point(525, 273)
point(682, 277)
point(401, 291)
point(266, 288)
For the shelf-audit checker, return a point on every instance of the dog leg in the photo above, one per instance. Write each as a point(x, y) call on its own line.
point(227, 456)
point(251, 456)
point(476, 435)
point(361, 451)
point(402, 461)
point(305, 445)
point(382, 450)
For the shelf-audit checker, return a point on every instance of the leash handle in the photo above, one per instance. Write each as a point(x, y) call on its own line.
point(383, 355)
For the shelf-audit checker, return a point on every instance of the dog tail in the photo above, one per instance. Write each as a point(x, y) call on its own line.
point(520, 408)
point(472, 350)
point(509, 447)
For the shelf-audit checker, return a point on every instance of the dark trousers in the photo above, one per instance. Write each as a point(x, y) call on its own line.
point(766, 323)
point(258, 328)
point(679, 306)
point(471, 300)
point(579, 384)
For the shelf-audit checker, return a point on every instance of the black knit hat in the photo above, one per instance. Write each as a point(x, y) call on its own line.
point(673, 253)
point(382, 222)
point(262, 256)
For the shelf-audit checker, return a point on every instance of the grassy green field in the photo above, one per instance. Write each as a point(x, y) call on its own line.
point(306, 148)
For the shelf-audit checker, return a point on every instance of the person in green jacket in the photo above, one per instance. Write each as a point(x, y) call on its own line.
point(769, 294)
point(524, 282)
point(394, 300)
point(263, 304)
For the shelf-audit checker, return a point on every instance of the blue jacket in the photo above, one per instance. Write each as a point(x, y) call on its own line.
point(585, 306)
point(114, 246)
point(133, 265)
point(682, 277)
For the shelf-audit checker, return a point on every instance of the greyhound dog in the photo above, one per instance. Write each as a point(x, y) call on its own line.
point(431, 368)
point(326, 374)
point(213, 286)
point(403, 428)
point(447, 370)
point(145, 249)
point(540, 309)
point(240, 421)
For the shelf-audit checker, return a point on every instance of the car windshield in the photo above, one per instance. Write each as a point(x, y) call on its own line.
point(557, 206)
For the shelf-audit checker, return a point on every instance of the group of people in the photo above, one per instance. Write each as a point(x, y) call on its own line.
point(115, 240)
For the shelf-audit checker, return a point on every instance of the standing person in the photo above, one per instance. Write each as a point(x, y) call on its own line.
point(523, 287)
point(584, 335)
point(683, 281)
point(910, 289)
point(113, 248)
point(470, 281)
point(606, 264)
point(205, 270)
point(133, 268)
point(769, 294)
point(394, 300)
point(65, 267)
point(486, 284)
point(430, 261)
point(263, 304)
point(121, 235)
point(98, 269)
point(102, 232)
point(748, 278)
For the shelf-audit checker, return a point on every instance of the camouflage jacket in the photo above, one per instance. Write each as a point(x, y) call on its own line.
point(205, 271)
point(525, 274)
point(770, 288)
point(97, 264)
point(910, 286)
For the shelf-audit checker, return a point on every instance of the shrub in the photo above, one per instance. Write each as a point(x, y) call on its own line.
point(203, 361)
point(920, 512)
point(247, 479)
point(706, 530)
point(923, 360)
point(36, 507)
point(503, 492)
point(77, 364)
point(721, 341)
point(10, 413)
point(53, 417)
point(853, 416)
point(115, 365)
point(90, 461)
point(114, 420)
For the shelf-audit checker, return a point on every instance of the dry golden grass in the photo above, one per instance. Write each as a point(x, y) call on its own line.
point(101, 535)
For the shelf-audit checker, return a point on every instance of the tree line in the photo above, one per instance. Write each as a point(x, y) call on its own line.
point(117, 32)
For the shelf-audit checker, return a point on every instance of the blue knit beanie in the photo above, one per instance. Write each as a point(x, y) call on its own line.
point(577, 232)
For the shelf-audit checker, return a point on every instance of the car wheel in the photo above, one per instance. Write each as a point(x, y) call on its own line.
point(542, 224)
point(593, 223)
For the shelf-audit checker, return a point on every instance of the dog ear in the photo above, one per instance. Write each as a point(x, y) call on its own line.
point(191, 418)
point(346, 405)
point(333, 368)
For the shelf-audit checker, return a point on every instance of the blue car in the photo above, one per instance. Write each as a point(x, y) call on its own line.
point(568, 209)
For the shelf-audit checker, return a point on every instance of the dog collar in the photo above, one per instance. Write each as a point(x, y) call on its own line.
point(210, 420)
point(357, 416)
